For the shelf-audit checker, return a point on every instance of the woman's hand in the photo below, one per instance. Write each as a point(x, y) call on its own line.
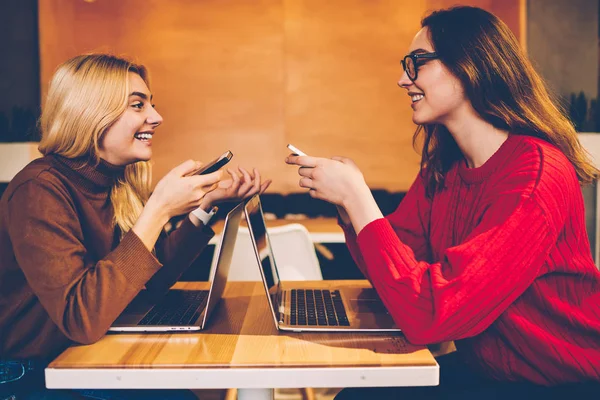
point(177, 193)
point(180, 192)
point(239, 187)
point(338, 181)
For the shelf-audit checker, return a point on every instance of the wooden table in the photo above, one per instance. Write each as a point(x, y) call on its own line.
point(242, 349)
point(322, 230)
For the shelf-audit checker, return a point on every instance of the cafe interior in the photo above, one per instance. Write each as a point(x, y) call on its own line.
point(252, 77)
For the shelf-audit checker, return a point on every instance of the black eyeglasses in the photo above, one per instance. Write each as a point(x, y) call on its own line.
point(411, 63)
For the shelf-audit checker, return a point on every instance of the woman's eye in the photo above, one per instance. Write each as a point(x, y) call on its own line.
point(138, 105)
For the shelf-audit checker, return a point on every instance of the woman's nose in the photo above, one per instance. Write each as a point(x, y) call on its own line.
point(404, 81)
point(154, 118)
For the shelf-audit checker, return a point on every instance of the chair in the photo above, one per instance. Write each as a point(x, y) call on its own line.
point(296, 260)
point(14, 157)
point(293, 250)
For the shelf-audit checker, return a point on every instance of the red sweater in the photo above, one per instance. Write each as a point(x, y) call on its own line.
point(498, 261)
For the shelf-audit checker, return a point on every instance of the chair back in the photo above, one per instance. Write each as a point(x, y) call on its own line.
point(293, 250)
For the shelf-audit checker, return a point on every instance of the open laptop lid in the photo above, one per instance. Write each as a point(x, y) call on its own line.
point(224, 251)
point(129, 319)
point(264, 254)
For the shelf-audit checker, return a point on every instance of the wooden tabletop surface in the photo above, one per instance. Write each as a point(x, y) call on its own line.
point(241, 333)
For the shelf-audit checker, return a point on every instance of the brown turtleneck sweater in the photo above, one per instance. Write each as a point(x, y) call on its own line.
point(64, 274)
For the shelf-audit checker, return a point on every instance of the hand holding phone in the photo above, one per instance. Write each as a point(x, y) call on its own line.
point(296, 150)
point(215, 164)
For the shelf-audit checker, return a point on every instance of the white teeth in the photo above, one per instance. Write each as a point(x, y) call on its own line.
point(143, 136)
point(416, 97)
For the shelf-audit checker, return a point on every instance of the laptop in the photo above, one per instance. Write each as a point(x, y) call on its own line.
point(302, 309)
point(184, 310)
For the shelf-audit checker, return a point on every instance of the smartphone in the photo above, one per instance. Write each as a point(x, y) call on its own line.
point(215, 164)
point(296, 150)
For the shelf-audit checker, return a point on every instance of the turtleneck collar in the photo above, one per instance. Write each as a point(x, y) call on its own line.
point(475, 175)
point(95, 177)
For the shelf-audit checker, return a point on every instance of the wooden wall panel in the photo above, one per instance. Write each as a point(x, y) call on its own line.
point(251, 77)
point(217, 72)
point(215, 69)
point(68, 28)
point(342, 97)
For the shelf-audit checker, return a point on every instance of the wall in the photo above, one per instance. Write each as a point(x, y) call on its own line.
point(563, 44)
point(253, 77)
point(19, 70)
point(562, 39)
point(19, 83)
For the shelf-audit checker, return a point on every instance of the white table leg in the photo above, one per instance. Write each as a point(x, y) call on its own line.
point(255, 394)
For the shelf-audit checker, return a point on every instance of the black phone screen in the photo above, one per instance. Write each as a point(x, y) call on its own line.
point(215, 164)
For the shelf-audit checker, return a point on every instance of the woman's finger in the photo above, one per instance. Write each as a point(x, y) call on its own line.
point(343, 160)
point(208, 179)
point(252, 190)
point(305, 171)
point(306, 183)
point(247, 184)
point(256, 187)
point(235, 181)
point(265, 185)
point(202, 191)
point(303, 161)
point(186, 168)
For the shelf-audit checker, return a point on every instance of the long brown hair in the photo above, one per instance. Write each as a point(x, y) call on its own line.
point(501, 84)
point(87, 94)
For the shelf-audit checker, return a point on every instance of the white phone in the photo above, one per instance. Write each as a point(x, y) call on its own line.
point(295, 150)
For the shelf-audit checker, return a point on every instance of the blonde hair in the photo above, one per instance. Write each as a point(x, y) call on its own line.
point(87, 94)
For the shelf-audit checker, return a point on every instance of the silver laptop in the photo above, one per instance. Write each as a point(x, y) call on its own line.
point(184, 310)
point(300, 308)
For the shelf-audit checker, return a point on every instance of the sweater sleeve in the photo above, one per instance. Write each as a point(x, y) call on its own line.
point(82, 296)
point(411, 227)
point(475, 282)
point(177, 251)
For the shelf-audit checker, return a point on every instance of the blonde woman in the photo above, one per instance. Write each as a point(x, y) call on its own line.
point(80, 232)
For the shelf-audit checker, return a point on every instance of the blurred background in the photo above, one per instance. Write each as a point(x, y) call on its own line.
point(252, 76)
point(249, 76)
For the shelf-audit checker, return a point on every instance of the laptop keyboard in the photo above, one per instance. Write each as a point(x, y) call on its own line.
point(177, 308)
point(318, 308)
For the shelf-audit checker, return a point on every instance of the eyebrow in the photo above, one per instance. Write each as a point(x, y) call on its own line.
point(419, 51)
point(140, 94)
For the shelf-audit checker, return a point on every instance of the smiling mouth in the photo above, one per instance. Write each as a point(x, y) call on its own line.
point(143, 136)
point(416, 97)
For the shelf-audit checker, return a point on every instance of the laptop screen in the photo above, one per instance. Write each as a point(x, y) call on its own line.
point(220, 271)
point(258, 229)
